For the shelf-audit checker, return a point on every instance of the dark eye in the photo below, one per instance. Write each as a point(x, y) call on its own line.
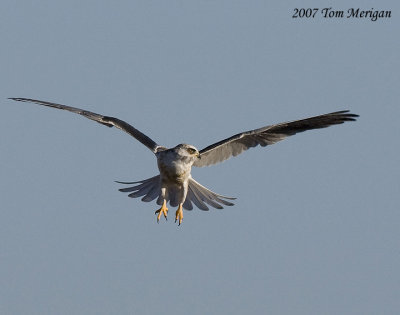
point(191, 150)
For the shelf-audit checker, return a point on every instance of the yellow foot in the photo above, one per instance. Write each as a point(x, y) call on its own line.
point(179, 215)
point(163, 210)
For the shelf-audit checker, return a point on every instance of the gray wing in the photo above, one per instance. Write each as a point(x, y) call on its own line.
point(264, 136)
point(105, 120)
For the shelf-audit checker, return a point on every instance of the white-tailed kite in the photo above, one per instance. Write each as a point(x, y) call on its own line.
point(174, 184)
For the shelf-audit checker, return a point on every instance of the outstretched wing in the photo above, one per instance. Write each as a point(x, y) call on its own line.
point(264, 136)
point(105, 120)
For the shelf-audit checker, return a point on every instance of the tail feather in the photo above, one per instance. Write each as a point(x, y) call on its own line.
point(205, 198)
point(187, 204)
point(142, 183)
point(141, 191)
point(191, 195)
point(152, 194)
point(197, 194)
point(149, 188)
point(133, 188)
point(200, 195)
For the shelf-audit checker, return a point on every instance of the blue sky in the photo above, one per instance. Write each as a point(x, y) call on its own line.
point(315, 227)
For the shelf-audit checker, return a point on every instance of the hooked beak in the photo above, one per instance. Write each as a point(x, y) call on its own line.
point(198, 155)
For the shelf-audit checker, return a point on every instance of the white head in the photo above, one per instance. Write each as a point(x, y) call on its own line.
point(187, 152)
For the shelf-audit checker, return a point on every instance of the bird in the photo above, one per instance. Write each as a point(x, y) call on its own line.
point(174, 184)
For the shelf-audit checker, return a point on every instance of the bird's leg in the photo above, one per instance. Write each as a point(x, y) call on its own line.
point(163, 210)
point(179, 215)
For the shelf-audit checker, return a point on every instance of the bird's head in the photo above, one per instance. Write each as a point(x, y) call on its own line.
point(187, 151)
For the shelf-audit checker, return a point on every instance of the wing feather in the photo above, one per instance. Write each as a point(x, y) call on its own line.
point(267, 135)
point(104, 120)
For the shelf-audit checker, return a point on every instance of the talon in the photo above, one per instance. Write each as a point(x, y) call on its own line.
point(163, 210)
point(179, 215)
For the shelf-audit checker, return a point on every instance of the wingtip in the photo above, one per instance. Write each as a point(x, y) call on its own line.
point(347, 115)
point(18, 99)
point(125, 183)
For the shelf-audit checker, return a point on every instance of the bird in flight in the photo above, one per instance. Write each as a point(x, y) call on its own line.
point(175, 184)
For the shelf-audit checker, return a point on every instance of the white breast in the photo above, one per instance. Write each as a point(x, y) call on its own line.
point(173, 167)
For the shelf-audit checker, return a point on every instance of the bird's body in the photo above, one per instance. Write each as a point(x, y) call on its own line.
point(175, 184)
point(175, 164)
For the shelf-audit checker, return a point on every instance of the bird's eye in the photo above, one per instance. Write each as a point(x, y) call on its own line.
point(191, 150)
